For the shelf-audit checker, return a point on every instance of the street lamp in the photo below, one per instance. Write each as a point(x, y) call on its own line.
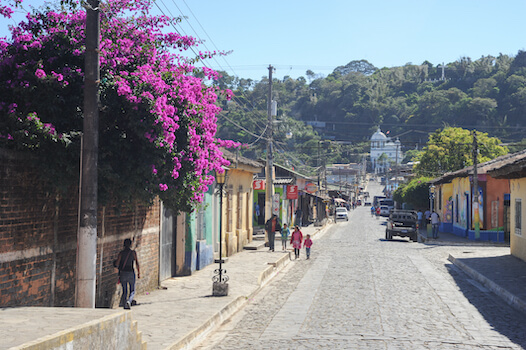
point(431, 197)
point(220, 279)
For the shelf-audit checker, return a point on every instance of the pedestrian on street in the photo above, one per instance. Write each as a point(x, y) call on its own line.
point(307, 244)
point(272, 226)
point(435, 221)
point(420, 217)
point(285, 232)
point(124, 263)
point(427, 215)
point(299, 217)
point(373, 210)
point(296, 239)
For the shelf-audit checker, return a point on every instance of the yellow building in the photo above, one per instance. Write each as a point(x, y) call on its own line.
point(515, 171)
point(238, 209)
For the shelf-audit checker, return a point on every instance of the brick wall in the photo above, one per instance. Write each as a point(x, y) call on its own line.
point(38, 235)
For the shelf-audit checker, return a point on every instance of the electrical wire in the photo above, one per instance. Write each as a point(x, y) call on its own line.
point(258, 137)
point(214, 58)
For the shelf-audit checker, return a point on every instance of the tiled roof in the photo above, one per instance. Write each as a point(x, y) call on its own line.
point(483, 168)
point(235, 158)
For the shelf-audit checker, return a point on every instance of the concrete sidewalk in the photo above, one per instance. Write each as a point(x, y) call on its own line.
point(178, 315)
point(489, 263)
point(185, 312)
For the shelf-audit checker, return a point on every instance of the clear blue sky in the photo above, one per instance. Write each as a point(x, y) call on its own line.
point(295, 35)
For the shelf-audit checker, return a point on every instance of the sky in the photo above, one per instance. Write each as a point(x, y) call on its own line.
point(295, 36)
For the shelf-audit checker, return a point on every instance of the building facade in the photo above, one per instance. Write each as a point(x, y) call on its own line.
point(384, 152)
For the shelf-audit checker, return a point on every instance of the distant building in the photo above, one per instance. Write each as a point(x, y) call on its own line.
point(381, 144)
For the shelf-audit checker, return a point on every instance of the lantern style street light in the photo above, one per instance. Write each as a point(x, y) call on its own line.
point(220, 279)
point(431, 197)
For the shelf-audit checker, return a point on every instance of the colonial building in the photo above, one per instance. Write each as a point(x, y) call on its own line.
point(384, 151)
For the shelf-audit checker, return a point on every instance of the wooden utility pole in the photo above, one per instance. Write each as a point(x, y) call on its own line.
point(87, 231)
point(476, 218)
point(269, 175)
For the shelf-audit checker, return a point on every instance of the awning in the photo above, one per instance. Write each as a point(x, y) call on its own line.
point(339, 200)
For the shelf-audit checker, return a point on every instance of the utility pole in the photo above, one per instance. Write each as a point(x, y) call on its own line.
point(319, 187)
point(476, 219)
point(269, 172)
point(87, 231)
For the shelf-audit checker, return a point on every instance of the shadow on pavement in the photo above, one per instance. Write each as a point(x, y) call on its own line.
point(508, 273)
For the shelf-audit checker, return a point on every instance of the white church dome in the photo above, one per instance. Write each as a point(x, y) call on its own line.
point(378, 136)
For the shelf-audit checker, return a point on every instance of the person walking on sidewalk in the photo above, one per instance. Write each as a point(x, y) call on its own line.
point(296, 239)
point(435, 221)
point(285, 232)
point(420, 216)
point(272, 226)
point(124, 262)
point(307, 244)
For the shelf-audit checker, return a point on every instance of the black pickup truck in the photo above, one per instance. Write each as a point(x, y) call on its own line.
point(403, 223)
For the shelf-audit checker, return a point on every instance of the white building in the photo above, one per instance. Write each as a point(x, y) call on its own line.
point(381, 144)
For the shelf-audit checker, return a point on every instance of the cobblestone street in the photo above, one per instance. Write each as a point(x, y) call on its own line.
point(359, 291)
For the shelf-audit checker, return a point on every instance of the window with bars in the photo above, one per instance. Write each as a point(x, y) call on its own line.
point(518, 217)
point(201, 224)
point(240, 208)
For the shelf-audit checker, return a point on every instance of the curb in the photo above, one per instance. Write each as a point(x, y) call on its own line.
point(226, 312)
point(235, 305)
point(211, 324)
point(508, 297)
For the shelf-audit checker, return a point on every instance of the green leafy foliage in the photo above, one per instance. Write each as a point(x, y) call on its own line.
point(414, 193)
point(451, 149)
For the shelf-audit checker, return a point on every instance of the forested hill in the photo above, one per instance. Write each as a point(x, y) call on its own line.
point(487, 94)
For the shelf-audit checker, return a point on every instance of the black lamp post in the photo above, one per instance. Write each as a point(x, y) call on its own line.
point(220, 279)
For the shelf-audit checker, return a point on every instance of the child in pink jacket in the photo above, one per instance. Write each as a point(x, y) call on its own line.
point(307, 244)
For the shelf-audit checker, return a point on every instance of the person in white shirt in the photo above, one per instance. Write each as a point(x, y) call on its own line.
point(435, 221)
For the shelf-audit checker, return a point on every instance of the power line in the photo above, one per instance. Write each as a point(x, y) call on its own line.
point(214, 57)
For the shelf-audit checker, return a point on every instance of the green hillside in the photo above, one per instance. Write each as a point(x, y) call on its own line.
point(487, 94)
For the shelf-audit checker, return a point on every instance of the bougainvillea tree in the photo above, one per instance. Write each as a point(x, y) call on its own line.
point(157, 117)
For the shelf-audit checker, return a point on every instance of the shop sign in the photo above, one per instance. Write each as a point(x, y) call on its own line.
point(311, 188)
point(292, 192)
point(258, 184)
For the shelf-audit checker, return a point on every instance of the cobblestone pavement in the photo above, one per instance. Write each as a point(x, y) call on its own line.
point(359, 291)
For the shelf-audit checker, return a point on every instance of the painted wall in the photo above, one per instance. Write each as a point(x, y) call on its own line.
point(494, 209)
point(445, 206)
point(460, 216)
point(518, 241)
point(238, 210)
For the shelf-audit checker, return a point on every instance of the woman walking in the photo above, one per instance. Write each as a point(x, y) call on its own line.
point(127, 273)
point(296, 239)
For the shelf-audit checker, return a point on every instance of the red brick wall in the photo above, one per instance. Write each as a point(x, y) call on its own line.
point(38, 235)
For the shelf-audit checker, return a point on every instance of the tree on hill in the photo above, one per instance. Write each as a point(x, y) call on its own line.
point(451, 149)
point(157, 117)
point(361, 66)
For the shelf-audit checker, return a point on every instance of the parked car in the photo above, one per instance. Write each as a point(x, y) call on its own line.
point(402, 223)
point(341, 214)
point(384, 210)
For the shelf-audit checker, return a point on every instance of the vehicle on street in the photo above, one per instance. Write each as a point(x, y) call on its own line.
point(387, 201)
point(402, 223)
point(341, 214)
point(384, 210)
point(376, 200)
